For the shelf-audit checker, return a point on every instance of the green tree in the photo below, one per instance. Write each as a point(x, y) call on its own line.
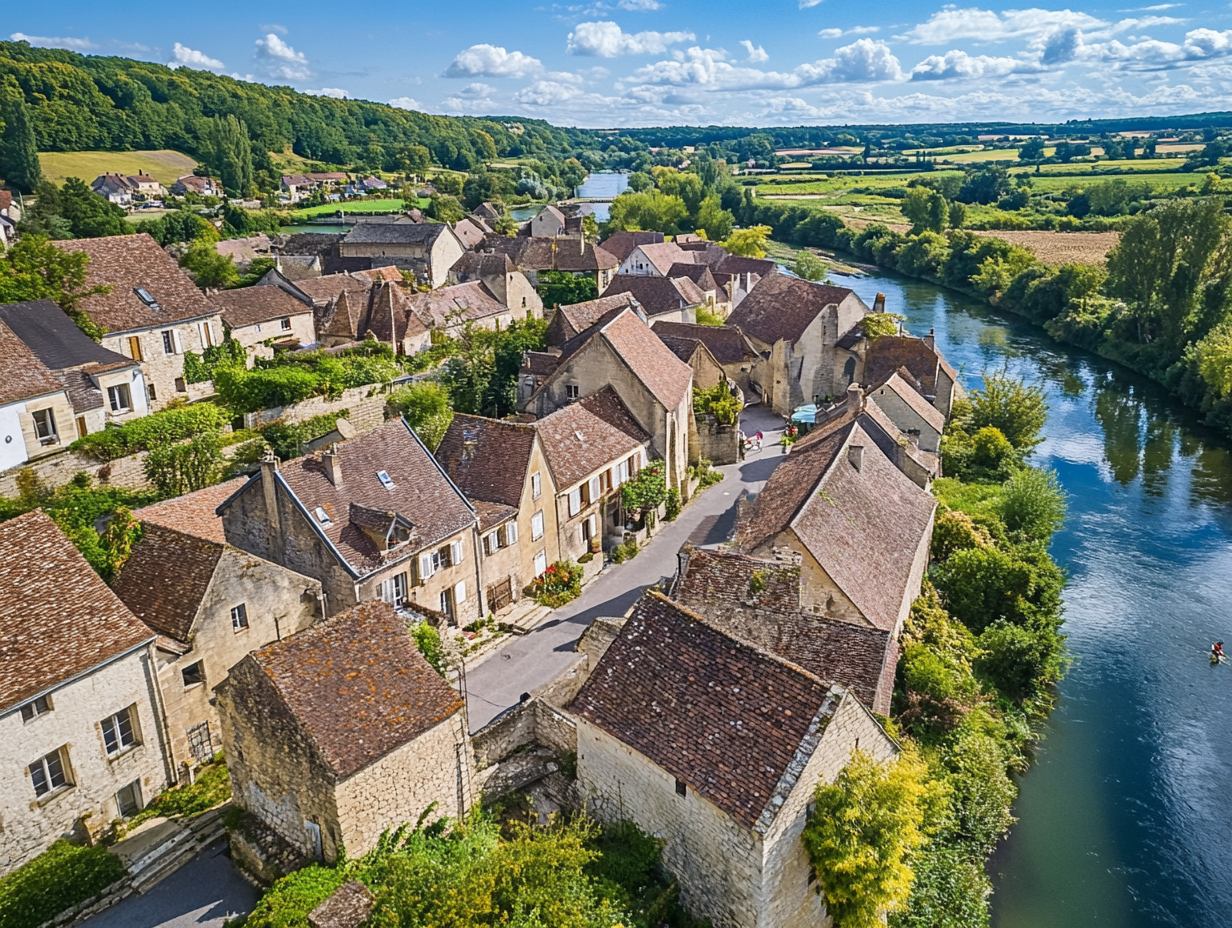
point(425, 407)
point(712, 219)
point(926, 209)
point(1021, 660)
point(650, 211)
point(1033, 503)
point(90, 215)
point(640, 181)
point(1032, 150)
point(210, 269)
point(985, 186)
point(861, 834)
point(228, 153)
point(445, 208)
point(1012, 407)
point(182, 468)
point(749, 242)
point(808, 266)
point(560, 288)
point(19, 159)
point(1213, 356)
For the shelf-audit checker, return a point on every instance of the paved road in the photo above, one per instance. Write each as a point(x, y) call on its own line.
point(204, 893)
point(530, 661)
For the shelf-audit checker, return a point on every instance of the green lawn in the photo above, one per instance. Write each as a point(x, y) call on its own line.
point(1136, 166)
point(355, 206)
point(165, 166)
point(1162, 182)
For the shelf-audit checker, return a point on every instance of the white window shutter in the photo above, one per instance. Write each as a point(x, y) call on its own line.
point(209, 327)
point(455, 552)
point(175, 340)
point(595, 489)
point(594, 525)
point(575, 501)
point(425, 566)
point(511, 533)
point(459, 593)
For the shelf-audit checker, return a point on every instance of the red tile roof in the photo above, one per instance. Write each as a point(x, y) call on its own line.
point(573, 318)
point(621, 244)
point(782, 307)
point(193, 513)
point(57, 617)
point(888, 353)
point(251, 305)
point(587, 436)
point(657, 295)
point(487, 458)
point(165, 579)
point(726, 342)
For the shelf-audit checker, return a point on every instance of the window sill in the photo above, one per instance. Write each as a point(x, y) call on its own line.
point(55, 794)
point(122, 753)
point(192, 686)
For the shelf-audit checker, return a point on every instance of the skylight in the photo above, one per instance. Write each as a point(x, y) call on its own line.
point(386, 482)
point(144, 296)
point(322, 516)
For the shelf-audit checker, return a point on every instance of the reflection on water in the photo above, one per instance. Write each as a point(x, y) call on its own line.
point(603, 185)
point(1123, 820)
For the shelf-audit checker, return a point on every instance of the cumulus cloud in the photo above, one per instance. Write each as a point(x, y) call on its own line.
point(336, 92)
point(952, 24)
point(608, 40)
point(53, 41)
point(756, 52)
point(640, 6)
point(278, 59)
point(959, 65)
point(492, 61)
point(1200, 45)
point(862, 60)
point(406, 103)
point(839, 33)
point(191, 58)
point(477, 89)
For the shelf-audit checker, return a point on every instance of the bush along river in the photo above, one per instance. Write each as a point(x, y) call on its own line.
point(1123, 818)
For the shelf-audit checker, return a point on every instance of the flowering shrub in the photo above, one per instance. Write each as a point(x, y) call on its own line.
point(559, 584)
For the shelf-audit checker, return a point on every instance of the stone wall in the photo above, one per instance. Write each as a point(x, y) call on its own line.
point(366, 407)
point(718, 444)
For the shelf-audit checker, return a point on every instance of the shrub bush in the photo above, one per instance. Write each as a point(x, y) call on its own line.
point(1033, 503)
point(428, 640)
point(172, 424)
point(626, 550)
point(671, 505)
point(250, 391)
point(559, 584)
point(61, 877)
point(212, 786)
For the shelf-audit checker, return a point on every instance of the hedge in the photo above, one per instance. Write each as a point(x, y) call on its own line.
point(61, 877)
point(171, 425)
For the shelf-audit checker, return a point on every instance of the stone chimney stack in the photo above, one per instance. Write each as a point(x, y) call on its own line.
point(855, 398)
point(931, 340)
point(855, 454)
point(269, 494)
point(333, 466)
point(879, 303)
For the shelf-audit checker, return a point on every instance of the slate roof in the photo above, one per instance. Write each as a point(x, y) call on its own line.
point(718, 585)
point(193, 513)
point(56, 340)
point(487, 458)
point(25, 376)
point(711, 710)
point(726, 342)
point(888, 353)
point(127, 263)
point(357, 685)
point(657, 295)
point(700, 274)
point(782, 307)
point(422, 494)
point(587, 436)
point(621, 244)
point(456, 304)
point(395, 233)
point(165, 579)
point(57, 617)
point(863, 526)
point(251, 305)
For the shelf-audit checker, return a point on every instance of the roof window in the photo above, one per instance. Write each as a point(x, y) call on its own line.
point(322, 516)
point(386, 482)
point(144, 296)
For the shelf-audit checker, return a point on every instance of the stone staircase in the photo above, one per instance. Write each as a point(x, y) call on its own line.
point(159, 847)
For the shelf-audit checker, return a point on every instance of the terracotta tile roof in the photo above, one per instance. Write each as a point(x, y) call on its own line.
point(888, 353)
point(25, 376)
point(542, 363)
point(251, 305)
point(6, 199)
point(547, 254)
point(657, 295)
point(384, 310)
point(470, 231)
point(573, 318)
point(389, 272)
point(718, 585)
point(193, 513)
point(782, 307)
point(662, 255)
point(421, 493)
point(667, 377)
point(487, 458)
point(587, 436)
point(683, 348)
point(621, 244)
point(726, 342)
point(358, 685)
point(82, 394)
point(57, 617)
point(323, 289)
point(493, 514)
point(700, 274)
point(738, 264)
point(911, 396)
point(863, 526)
point(456, 304)
point(127, 263)
point(711, 710)
point(166, 577)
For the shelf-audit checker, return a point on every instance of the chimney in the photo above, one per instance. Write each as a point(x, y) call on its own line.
point(333, 466)
point(269, 467)
point(855, 454)
point(879, 303)
point(931, 340)
point(855, 398)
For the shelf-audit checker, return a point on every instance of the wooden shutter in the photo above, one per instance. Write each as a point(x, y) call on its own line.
point(455, 552)
point(175, 340)
point(425, 567)
point(596, 489)
point(511, 533)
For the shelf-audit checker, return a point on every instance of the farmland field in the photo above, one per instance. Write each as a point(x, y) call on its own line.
point(164, 166)
point(355, 206)
point(1057, 248)
point(1138, 165)
point(1161, 182)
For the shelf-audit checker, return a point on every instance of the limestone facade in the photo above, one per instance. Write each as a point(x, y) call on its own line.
point(161, 353)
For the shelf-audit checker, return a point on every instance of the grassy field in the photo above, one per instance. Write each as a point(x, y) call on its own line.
point(1137, 166)
point(1044, 183)
point(355, 206)
point(165, 166)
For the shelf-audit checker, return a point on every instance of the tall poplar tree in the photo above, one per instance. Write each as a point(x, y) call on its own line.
point(19, 160)
point(229, 153)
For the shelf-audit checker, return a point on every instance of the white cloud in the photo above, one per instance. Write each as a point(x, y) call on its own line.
point(53, 41)
point(492, 61)
point(608, 40)
point(1151, 9)
point(960, 65)
point(336, 92)
point(191, 58)
point(1200, 45)
point(805, 4)
point(280, 60)
point(839, 33)
point(477, 89)
point(757, 53)
point(952, 24)
point(406, 103)
point(863, 60)
point(639, 6)
point(273, 27)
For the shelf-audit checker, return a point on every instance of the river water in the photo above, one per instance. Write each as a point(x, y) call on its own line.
point(1125, 818)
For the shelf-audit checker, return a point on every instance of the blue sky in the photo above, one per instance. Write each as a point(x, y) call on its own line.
point(657, 62)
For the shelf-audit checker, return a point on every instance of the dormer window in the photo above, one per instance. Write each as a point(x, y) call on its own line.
point(323, 517)
point(385, 479)
point(144, 296)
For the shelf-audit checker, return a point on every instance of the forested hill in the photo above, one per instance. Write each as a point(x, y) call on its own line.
point(85, 102)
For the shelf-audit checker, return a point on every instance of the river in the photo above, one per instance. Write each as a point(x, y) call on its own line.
point(1124, 817)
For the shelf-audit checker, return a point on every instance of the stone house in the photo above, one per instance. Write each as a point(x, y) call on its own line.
point(718, 300)
point(926, 367)
point(503, 469)
point(593, 446)
point(471, 231)
point(727, 345)
point(450, 308)
point(725, 770)
point(910, 411)
point(740, 275)
point(549, 222)
point(81, 737)
point(499, 275)
point(201, 186)
point(36, 414)
point(707, 371)
point(153, 313)
point(114, 188)
point(621, 244)
point(486, 211)
point(857, 527)
point(340, 732)
point(652, 259)
point(662, 299)
point(568, 254)
point(572, 319)
point(260, 318)
point(382, 312)
point(797, 326)
point(373, 518)
point(209, 604)
point(623, 353)
point(428, 249)
point(102, 386)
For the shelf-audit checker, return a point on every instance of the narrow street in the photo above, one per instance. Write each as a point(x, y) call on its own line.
point(524, 663)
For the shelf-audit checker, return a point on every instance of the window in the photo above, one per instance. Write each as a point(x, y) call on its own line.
point(239, 617)
point(256, 327)
point(323, 517)
point(575, 501)
point(118, 732)
point(151, 392)
point(168, 341)
point(447, 602)
point(455, 553)
point(128, 800)
point(682, 788)
point(541, 563)
point(491, 543)
point(32, 710)
point(594, 490)
point(590, 528)
point(536, 485)
point(180, 385)
point(393, 590)
point(206, 331)
point(44, 425)
point(285, 323)
point(194, 674)
point(120, 398)
point(572, 391)
point(134, 348)
point(427, 566)
point(511, 533)
point(385, 479)
point(47, 773)
point(536, 526)
point(144, 296)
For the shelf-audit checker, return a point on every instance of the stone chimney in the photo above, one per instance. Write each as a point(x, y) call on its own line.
point(879, 303)
point(931, 340)
point(333, 466)
point(269, 493)
point(855, 454)
point(855, 398)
